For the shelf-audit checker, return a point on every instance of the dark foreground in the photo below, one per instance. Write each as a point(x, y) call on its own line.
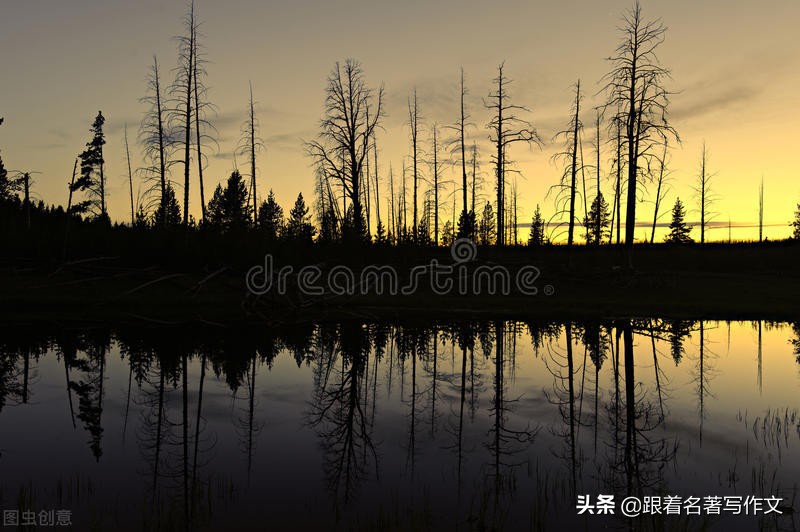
point(715, 281)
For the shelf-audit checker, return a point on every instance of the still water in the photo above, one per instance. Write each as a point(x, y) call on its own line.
point(349, 425)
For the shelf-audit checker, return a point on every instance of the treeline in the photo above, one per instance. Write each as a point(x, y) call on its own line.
point(358, 201)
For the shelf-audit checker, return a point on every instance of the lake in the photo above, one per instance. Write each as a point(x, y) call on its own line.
point(399, 425)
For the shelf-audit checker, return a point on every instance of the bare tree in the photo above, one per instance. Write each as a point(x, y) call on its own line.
point(569, 155)
point(466, 220)
point(635, 89)
point(249, 144)
point(342, 144)
point(380, 229)
point(130, 174)
point(436, 171)
point(181, 92)
point(597, 226)
point(507, 128)
point(660, 189)
point(705, 196)
point(203, 128)
point(413, 121)
point(760, 212)
point(156, 142)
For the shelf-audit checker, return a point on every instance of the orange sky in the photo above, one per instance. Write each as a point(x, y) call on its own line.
point(735, 64)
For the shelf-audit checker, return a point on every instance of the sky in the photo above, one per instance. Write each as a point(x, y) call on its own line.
point(735, 68)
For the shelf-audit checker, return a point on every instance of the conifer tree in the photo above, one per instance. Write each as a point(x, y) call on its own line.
point(487, 228)
point(678, 230)
point(299, 227)
point(598, 221)
point(169, 213)
point(270, 217)
point(92, 179)
point(536, 237)
point(229, 208)
point(796, 224)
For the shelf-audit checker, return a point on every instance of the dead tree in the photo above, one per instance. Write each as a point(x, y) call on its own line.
point(660, 189)
point(342, 144)
point(466, 220)
point(507, 128)
point(436, 170)
point(636, 91)
point(705, 195)
point(249, 144)
point(181, 93)
point(380, 229)
point(597, 227)
point(569, 156)
point(130, 174)
point(413, 120)
point(156, 142)
point(760, 212)
point(203, 128)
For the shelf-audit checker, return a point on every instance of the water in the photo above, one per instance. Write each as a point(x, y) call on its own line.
point(494, 425)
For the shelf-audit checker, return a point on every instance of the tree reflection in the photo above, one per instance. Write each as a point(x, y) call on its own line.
point(338, 413)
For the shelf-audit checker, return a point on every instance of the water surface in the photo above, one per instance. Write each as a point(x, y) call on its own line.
point(486, 425)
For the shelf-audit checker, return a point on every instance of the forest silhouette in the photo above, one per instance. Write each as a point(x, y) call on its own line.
point(361, 209)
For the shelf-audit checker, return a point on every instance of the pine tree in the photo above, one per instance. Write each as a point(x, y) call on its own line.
point(487, 228)
point(6, 185)
point(299, 227)
point(448, 235)
point(678, 230)
point(380, 233)
point(537, 229)
point(169, 212)
point(270, 218)
point(466, 224)
point(229, 208)
point(92, 179)
point(597, 221)
point(796, 224)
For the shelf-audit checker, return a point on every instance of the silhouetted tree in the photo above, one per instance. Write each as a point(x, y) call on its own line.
point(92, 178)
point(660, 189)
point(597, 221)
point(228, 208)
point(157, 143)
point(570, 157)
point(506, 129)
point(796, 224)
point(181, 93)
point(466, 223)
point(130, 176)
point(203, 128)
point(760, 212)
point(448, 235)
point(249, 145)
point(435, 178)
point(270, 217)
point(487, 230)
point(635, 87)
point(8, 186)
point(536, 237)
point(413, 123)
point(678, 230)
point(299, 227)
point(342, 145)
point(705, 196)
point(169, 214)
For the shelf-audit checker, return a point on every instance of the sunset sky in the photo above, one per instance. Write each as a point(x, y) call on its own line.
point(736, 64)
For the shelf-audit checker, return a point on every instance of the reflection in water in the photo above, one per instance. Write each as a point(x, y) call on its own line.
point(382, 425)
